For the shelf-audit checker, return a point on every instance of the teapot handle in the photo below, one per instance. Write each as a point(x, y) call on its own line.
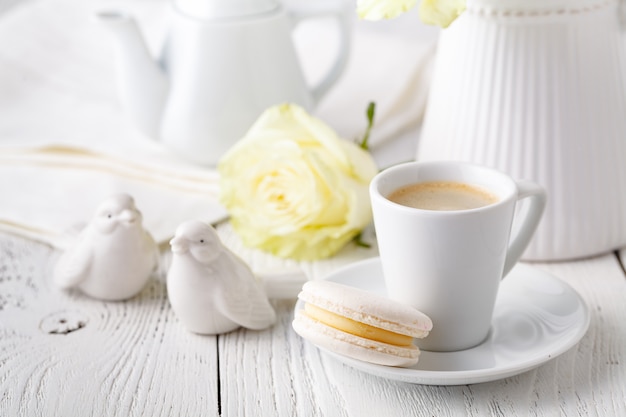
point(300, 11)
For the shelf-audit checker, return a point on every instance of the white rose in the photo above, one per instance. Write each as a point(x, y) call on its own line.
point(294, 188)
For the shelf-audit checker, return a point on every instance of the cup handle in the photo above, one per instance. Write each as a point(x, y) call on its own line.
point(300, 11)
point(537, 202)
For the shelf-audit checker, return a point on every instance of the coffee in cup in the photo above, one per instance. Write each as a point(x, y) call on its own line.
point(442, 195)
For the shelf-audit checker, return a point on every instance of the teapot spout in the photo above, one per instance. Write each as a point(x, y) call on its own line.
point(142, 83)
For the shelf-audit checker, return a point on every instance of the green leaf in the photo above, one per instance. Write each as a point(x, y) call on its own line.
point(371, 111)
point(358, 240)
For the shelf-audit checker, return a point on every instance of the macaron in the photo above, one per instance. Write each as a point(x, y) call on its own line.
point(360, 324)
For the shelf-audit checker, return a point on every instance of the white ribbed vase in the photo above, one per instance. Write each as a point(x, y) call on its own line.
point(537, 88)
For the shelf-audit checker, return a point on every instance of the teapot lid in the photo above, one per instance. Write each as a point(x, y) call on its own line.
point(220, 9)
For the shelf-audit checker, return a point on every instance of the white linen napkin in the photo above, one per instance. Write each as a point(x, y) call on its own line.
point(65, 144)
point(49, 192)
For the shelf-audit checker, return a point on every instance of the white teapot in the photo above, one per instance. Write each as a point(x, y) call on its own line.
point(537, 88)
point(223, 63)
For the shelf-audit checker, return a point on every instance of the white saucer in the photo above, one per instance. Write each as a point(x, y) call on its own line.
point(537, 317)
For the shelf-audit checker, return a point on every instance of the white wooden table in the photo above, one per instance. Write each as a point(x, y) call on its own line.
point(63, 354)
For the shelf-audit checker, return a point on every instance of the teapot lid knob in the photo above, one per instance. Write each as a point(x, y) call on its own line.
point(219, 9)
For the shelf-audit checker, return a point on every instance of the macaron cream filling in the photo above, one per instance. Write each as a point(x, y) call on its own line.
point(356, 328)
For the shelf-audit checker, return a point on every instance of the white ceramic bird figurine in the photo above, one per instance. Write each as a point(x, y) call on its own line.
point(113, 257)
point(210, 289)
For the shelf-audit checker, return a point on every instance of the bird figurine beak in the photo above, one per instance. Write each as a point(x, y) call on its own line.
point(179, 245)
point(128, 216)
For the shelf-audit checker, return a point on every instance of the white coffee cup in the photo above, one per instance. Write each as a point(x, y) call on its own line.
point(449, 263)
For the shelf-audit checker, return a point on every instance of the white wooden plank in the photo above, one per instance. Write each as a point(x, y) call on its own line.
point(593, 373)
point(129, 358)
point(273, 373)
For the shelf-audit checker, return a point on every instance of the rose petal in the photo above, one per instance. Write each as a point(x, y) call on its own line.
point(382, 9)
point(440, 12)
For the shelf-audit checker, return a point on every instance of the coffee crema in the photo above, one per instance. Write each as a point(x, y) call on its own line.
point(442, 196)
